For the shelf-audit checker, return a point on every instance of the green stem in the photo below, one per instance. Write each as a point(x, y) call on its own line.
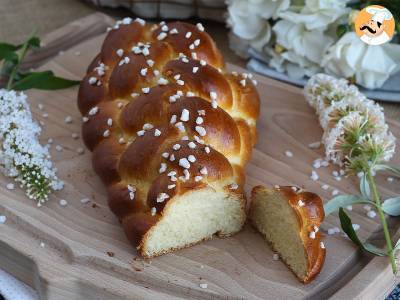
point(376, 199)
point(21, 56)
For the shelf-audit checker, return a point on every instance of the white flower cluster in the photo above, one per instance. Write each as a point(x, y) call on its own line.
point(21, 155)
point(354, 126)
point(303, 39)
point(369, 65)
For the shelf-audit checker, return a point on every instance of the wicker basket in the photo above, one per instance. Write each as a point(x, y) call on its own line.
point(169, 9)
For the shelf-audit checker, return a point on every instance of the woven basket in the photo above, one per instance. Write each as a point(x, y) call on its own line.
point(170, 9)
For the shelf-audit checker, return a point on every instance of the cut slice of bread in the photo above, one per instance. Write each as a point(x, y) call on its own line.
point(289, 219)
point(193, 217)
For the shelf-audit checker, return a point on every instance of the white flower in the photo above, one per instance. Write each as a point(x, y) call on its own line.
point(381, 146)
point(240, 45)
point(355, 132)
point(294, 65)
point(244, 19)
point(310, 44)
point(317, 13)
point(337, 110)
point(300, 50)
point(337, 140)
point(249, 20)
point(322, 90)
point(21, 155)
point(370, 65)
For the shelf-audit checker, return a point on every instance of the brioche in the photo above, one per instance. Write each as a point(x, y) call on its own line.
point(289, 219)
point(171, 132)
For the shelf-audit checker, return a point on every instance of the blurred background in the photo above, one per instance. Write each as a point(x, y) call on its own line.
point(19, 17)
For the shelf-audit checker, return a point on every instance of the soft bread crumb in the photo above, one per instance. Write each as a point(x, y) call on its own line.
point(272, 215)
point(194, 217)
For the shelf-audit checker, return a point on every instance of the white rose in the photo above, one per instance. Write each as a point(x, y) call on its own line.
point(317, 13)
point(371, 65)
point(244, 22)
point(294, 65)
point(271, 8)
point(248, 18)
point(300, 51)
point(240, 46)
point(310, 44)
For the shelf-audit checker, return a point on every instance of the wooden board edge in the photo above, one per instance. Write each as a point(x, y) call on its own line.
point(67, 36)
point(374, 281)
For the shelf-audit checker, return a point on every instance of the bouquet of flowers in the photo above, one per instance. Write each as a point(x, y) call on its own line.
point(22, 157)
point(357, 138)
point(305, 37)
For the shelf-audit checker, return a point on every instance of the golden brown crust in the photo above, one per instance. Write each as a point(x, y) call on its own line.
point(310, 213)
point(129, 86)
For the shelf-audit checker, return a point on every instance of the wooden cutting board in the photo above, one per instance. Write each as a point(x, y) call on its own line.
point(80, 251)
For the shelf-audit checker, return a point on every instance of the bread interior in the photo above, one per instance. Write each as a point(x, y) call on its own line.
point(276, 220)
point(193, 217)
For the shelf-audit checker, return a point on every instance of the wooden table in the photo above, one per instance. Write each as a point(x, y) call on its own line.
point(67, 268)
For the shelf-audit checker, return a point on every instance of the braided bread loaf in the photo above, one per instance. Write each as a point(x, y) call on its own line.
point(289, 218)
point(170, 132)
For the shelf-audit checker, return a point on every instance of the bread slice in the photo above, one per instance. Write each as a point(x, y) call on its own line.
point(193, 217)
point(289, 219)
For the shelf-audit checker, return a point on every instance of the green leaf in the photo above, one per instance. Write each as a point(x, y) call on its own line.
point(343, 201)
point(341, 30)
point(393, 169)
point(364, 187)
point(9, 47)
point(43, 81)
point(34, 42)
point(7, 52)
point(374, 250)
point(392, 206)
point(347, 227)
point(7, 68)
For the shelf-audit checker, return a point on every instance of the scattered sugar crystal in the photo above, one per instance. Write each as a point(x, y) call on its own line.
point(68, 119)
point(367, 207)
point(331, 231)
point(314, 145)
point(85, 200)
point(153, 211)
point(371, 214)
point(203, 285)
point(314, 176)
point(289, 153)
point(324, 163)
